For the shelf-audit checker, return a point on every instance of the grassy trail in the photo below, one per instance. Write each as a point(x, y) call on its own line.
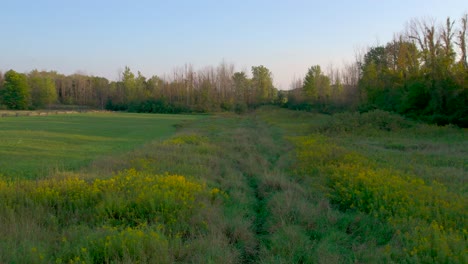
point(255, 152)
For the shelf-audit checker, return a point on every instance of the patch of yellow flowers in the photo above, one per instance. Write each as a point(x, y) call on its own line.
point(433, 220)
point(191, 139)
point(131, 214)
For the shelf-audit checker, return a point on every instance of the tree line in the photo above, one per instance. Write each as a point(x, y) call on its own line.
point(422, 73)
point(186, 90)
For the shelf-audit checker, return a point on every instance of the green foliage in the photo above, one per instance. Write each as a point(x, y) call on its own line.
point(131, 216)
point(423, 82)
point(192, 93)
point(262, 84)
point(43, 91)
point(419, 212)
point(109, 244)
point(259, 186)
point(315, 94)
point(408, 177)
point(16, 91)
point(365, 123)
point(240, 108)
point(316, 85)
point(1, 80)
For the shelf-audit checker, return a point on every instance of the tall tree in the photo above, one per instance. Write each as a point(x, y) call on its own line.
point(380, 81)
point(242, 87)
point(155, 86)
point(16, 92)
point(129, 85)
point(141, 92)
point(447, 35)
point(461, 40)
point(101, 90)
point(43, 91)
point(262, 83)
point(316, 85)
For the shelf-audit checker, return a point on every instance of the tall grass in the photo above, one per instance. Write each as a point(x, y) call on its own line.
point(430, 222)
point(132, 216)
point(374, 164)
point(272, 186)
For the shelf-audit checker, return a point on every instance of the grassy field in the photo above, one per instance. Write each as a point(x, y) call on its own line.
point(37, 146)
point(271, 186)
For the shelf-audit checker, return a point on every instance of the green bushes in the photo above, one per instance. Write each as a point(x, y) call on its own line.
point(376, 120)
point(148, 106)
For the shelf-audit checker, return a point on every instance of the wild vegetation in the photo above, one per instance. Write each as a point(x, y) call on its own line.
point(394, 171)
point(270, 186)
point(374, 171)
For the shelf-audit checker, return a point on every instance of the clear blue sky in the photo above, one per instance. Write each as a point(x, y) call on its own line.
point(100, 37)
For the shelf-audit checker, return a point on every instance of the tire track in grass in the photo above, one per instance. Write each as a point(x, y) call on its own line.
point(252, 172)
point(260, 157)
point(261, 215)
point(243, 154)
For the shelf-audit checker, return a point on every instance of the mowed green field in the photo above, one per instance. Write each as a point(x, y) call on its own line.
point(35, 146)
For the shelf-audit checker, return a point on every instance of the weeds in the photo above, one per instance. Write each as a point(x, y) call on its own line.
point(430, 222)
point(132, 216)
point(272, 186)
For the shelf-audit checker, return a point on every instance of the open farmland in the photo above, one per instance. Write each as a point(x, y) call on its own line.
point(270, 186)
point(35, 146)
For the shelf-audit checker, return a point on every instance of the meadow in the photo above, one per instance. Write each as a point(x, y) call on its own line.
point(270, 186)
point(37, 146)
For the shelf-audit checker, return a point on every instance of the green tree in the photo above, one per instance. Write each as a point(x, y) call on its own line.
point(141, 91)
point(129, 85)
point(377, 80)
point(43, 90)
point(16, 92)
point(316, 85)
point(155, 85)
point(262, 84)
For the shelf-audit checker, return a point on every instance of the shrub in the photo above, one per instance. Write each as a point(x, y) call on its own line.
point(365, 122)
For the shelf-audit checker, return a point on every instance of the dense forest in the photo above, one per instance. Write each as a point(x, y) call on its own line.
point(422, 73)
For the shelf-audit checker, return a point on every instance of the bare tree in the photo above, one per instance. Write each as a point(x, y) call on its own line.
point(461, 39)
point(447, 36)
point(415, 32)
point(296, 83)
point(295, 94)
point(224, 85)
